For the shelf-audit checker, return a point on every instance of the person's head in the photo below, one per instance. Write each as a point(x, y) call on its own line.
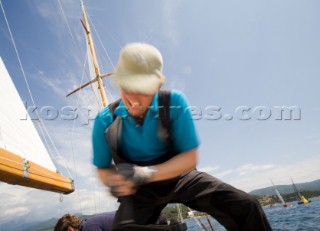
point(68, 222)
point(162, 220)
point(138, 75)
point(173, 221)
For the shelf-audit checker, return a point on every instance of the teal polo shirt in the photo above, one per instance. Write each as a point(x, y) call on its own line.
point(141, 143)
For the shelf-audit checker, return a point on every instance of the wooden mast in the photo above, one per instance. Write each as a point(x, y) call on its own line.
point(94, 58)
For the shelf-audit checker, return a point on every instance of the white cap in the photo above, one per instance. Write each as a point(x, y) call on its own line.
point(139, 69)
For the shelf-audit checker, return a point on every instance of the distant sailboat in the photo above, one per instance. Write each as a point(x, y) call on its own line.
point(24, 159)
point(301, 199)
point(279, 195)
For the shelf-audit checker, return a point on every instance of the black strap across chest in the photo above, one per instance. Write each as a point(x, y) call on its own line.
point(113, 133)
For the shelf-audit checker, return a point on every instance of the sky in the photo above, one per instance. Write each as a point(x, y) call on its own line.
point(245, 59)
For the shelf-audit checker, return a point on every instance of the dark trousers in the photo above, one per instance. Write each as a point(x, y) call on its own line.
point(233, 208)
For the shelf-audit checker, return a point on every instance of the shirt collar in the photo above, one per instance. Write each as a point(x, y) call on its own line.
point(122, 111)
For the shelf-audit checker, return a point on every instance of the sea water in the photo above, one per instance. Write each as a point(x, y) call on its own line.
point(305, 217)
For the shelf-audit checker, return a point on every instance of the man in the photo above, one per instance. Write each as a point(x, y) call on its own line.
point(153, 169)
point(69, 222)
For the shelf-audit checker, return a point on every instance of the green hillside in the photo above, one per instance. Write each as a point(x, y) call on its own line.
point(285, 189)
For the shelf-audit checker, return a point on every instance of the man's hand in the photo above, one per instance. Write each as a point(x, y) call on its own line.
point(136, 174)
point(119, 186)
point(124, 179)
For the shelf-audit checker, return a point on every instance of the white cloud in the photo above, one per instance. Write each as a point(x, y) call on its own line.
point(27, 204)
point(187, 70)
point(56, 17)
point(55, 84)
point(176, 82)
point(45, 10)
point(252, 177)
point(209, 169)
point(74, 157)
point(224, 173)
point(251, 168)
point(9, 197)
point(16, 212)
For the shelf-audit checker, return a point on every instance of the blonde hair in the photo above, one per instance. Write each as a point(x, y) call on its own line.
point(67, 220)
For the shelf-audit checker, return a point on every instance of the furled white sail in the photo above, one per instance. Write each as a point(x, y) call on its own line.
point(24, 159)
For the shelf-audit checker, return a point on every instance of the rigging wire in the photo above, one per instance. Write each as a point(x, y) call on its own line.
point(110, 34)
point(84, 73)
point(61, 197)
point(68, 25)
point(75, 44)
point(1, 138)
point(61, 202)
point(105, 83)
point(45, 140)
point(94, 28)
point(108, 56)
point(73, 129)
point(41, 124)
point(97, 98)
point(210, 223)
point(195, 218)
point(180, 217)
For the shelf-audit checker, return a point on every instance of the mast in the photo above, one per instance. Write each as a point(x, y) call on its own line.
point(296, 190)
point(278, 194)
point(301, 199)
point(94, 57)
point(98, 77)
